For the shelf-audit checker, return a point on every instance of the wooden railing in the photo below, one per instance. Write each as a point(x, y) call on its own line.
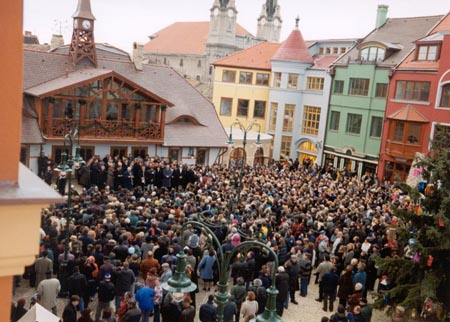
point(402, 150)
point(56, 127)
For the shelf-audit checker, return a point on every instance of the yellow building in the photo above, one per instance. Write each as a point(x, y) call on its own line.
point(241, 93)
point(242, 84)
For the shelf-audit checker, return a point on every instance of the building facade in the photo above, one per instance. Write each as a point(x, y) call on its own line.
point(360, 88)
point(418, 103)
point(120, 106)
point(192, 47)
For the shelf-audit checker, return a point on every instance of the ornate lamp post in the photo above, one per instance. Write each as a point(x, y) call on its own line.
point(69, 162)
point(244, 130)
point(181, 284)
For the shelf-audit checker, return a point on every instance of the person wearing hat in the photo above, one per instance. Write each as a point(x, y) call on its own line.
point(282, 285)
point(106, 293)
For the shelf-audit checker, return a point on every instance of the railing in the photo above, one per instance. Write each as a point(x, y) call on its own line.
point(402, 150)
point(55, 128)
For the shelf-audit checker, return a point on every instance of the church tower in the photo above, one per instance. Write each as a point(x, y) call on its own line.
point(82, 44)
point(222, 30)
point(269, 22)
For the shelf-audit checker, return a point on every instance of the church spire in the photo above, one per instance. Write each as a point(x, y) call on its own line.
point(83, 44)
point(269, 22)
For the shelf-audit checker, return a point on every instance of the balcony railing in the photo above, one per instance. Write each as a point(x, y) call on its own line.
point(402, 150)
point(96, 129)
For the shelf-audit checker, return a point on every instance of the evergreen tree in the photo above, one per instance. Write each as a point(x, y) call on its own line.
point(420, 281)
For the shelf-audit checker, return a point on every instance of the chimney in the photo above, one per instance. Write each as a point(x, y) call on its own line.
point(381, 15)
point(138, 55)
point(57, 41)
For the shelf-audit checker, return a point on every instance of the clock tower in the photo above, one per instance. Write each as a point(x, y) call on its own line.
point(82, 44)
point(269, 22)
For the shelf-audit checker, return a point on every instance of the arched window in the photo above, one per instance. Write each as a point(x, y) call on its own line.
point(237, 157)
point(373, 53)
point(445, 96)
point(259, 157)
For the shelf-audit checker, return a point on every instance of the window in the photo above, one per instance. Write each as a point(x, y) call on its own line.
point(260, 109)
point(359, 86)
point(334, 120)
point(225, 106)
point(245, 77)
point(311, 120)
point(202, 156)
point(273, 116)
point(288, 119)
point(343, 50)
point(335, 50)
point(121, 151)
point(428, 52)
point(242, 108)
point(406, 133)
point(174, 154)
point(285, 150)
point(354, 123)
point(445, 96)
point(381, 90)
point(376, 127)
point(412, 91)
point(292, 81)
point(372, 54)
point(181, 62)
point(338, 87)
point(276, 79)
point(229, 76)
point(139, 152)
point(398, 131)
point(321, 51)
point(328, 50)
point(262, 79)
point(87, 152)
point(315, 83)
point(199, 64)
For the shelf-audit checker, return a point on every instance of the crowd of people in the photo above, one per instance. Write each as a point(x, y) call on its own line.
point(132, 217)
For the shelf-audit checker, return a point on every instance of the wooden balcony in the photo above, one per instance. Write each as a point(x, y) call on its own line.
point(102, 129)
point(402, 150)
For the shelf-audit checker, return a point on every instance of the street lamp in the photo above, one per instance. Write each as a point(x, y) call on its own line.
point(244, 130)
point(67, 165)
point(179, 284)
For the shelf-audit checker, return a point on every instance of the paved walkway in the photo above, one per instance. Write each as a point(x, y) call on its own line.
point(308, 310)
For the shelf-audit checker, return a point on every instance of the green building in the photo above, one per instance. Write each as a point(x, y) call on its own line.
point(359, 91)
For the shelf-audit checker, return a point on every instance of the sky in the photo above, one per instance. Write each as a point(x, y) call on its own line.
point(120, 23)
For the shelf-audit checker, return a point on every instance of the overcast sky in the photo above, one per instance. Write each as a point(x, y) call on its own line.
point(121, 22)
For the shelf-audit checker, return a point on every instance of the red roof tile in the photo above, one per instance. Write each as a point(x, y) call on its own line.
point(323, 61)
point(408, 113)
point(294, 48)
point(255, 57)
point(184, 38)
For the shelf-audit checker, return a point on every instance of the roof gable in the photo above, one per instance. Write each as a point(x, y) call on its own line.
point(294, 48)
point(408, 113)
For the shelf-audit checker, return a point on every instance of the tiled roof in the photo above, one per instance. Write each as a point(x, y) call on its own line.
point(42, 67)
point(401, 32)
point(184, 38)
point(294, 48)
point(408, 113)
point(323, 61)
point(31, 134)
point(103, 51)
point(255, 57)
point(411, 63)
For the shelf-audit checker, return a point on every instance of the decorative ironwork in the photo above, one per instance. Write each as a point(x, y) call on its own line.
point(107, 129)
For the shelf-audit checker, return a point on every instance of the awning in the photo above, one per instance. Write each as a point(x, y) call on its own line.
point(409, 114)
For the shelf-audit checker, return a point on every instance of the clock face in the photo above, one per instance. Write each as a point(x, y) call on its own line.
point(263, 21)
point(230, 13)
point(216, 12)
point(86, 24)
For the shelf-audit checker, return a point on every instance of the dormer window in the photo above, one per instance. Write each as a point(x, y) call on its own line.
point(373, 54)
point(428, 52)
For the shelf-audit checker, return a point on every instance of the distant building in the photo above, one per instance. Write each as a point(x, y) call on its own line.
point(418, 103)
point(360, 89)
point(121, 106)
point(192, 47)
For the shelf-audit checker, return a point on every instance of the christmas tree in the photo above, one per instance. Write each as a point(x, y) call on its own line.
point(419, 278)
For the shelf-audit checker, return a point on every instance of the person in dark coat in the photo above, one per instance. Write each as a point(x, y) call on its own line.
point(293, 269)
point(345, 286)
point(49, 175)
point(208, 311)
point(70, 311)
point(188, 313)
point(330, 282)
point(282, 285)
point(127, 179)
point(84, 176)
point(77, 285)
point(19, 310)
point(124, 280)
point(61, 184)
point(167, 177)
point(305, 273)
point(169, 310)
point(106, 293)
point(159, 176)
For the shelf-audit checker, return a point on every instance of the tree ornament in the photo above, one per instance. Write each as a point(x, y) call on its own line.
point(441, 222)
point(430, 260)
